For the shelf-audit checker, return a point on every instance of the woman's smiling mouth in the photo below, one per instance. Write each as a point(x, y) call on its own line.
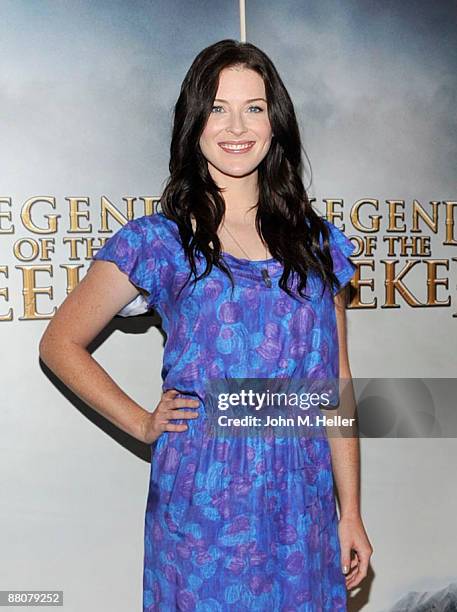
point(237, 147)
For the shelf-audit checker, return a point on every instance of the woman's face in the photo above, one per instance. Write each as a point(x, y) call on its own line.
point(238, 133)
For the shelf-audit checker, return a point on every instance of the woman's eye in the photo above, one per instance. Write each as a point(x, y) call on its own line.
point(259, 109)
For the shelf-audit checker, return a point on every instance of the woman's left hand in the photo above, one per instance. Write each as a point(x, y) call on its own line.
point(353, 537)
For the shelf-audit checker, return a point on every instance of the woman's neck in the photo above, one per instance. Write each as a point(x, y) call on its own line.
point(240, 195)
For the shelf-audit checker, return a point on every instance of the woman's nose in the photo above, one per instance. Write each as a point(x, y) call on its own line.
point(236, 123)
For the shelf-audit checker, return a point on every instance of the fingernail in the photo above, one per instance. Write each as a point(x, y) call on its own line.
point(345, 569)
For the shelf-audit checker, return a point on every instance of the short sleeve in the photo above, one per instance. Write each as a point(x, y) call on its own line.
point(340, 249)
point(132, 252)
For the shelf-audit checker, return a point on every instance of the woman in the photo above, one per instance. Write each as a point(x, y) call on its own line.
point(249, 282)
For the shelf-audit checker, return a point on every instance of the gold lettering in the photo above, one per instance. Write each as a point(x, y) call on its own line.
point(75, 214)
point(355, 216)
point(330, 213)
point(74, 243)
point(26, 216)
point(358, 283)
point(450, 222)
point(418, 211)
point(418, 245)
point(6, 214)
point(73, 277)
point(455, 313)
point(370, 245)
point(394, 215)
point(30, 291)
point(394, 283)
point(149, 204)
point(107, 208)
point(17, 249)
point(433, 281)
point(4, 293)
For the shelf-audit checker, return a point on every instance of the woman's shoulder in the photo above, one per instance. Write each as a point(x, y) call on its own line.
point(155, 227)
point(156, 222)
point(338, 238)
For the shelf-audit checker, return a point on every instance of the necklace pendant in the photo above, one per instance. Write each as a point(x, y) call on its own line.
point(266, 278)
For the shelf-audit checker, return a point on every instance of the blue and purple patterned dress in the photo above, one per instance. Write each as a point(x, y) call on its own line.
point(239, 523)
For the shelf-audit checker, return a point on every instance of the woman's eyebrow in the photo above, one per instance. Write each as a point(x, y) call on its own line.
point(250, 100)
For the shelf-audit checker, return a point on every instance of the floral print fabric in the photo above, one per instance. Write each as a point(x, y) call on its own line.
point(236, 523)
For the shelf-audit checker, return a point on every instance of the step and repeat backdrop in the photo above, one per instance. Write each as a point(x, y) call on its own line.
point(86, 108)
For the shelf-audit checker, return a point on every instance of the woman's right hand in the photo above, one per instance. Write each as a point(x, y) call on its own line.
point(158, 421)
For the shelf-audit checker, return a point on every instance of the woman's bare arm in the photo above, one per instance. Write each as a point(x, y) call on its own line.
point(345, 450)
point(80, 318)
point(356, 549)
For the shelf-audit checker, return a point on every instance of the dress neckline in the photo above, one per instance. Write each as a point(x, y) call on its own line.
point(237, 260)
point(248, 261)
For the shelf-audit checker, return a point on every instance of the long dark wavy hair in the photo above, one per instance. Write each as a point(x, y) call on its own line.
point(285, 219)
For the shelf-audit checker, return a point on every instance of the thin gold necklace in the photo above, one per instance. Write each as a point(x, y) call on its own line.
point(264, 271)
